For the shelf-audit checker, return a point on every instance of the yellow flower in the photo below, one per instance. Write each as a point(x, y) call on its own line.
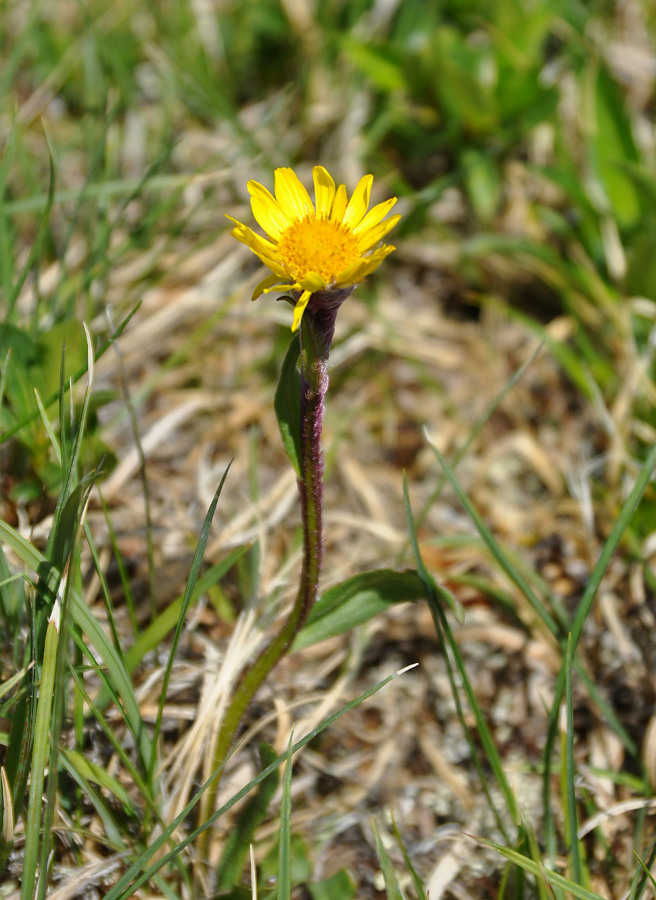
point(332, 243)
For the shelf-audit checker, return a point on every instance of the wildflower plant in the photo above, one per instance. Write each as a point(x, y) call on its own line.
point(319, 252)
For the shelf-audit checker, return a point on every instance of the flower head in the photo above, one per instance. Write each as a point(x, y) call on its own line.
point(331, 244)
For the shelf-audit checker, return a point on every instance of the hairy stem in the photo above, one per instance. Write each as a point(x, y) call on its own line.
point(316, 335)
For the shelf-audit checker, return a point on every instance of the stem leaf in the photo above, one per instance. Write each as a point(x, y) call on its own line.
point(357, 600)
point(287, 404)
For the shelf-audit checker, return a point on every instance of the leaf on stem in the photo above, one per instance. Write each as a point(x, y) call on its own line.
point(287, 404)
point(357, 600)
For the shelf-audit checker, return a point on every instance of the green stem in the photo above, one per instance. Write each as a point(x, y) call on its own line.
point(316, 335)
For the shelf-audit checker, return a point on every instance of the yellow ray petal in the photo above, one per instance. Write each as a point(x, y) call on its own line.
point(339, 204)
point(357, 206)
point(264, 286)
point(375, 215)
point(365, 266)
point(313, 281)
point(371, 237)
point(283, 287)
point(266, 211)
point(299, 309)
point(324, 192)
point(247, 236)
point(294, 200)
point(274, 265)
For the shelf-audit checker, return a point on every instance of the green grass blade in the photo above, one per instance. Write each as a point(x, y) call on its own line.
point(56, 720)
point(7, 686)
point(285, 833)
point(7, 820)
point(84, 619)
point(610, 547)
point(571, 814)
point(392, 886)
point(102, 579)
point(416, 880)
point(186, 602)
point(83, 773)
point(11, 596)
point(49, 567)
point(606, 709)
point(452, 652)
point(126, 586)
point(491, 543)
point(122, 754)
point(541, 872)
point(240, 838)
point(585, 605)
point(39, 758)
point(50, 431)
point(35, 249)
point(476, 430)
point(70, 475)
point(116, 673)
point(643, 874)
point(7, 240)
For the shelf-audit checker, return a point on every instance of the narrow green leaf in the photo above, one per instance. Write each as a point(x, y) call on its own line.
point(40, 756)
point(452, 652)
point(11, 595)
point(6, 819)
point(186, 602)
point(60, 543)
point(416, 880)
point(99, 775)
point(116, 672)
point(571, 815)
point(540, 871)
point(356, 600)
point(35, 249)
point(392, 887)
point(285, 833)
point(7, 252)
point(643, 874)
point(498, 554)
point(8, 685)
point(582, 613)
point(85, 775)
point(235, 852)
point(287, 405)
point(124, 757)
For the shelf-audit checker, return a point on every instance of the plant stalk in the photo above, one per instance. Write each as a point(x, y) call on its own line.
point(317, 328)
